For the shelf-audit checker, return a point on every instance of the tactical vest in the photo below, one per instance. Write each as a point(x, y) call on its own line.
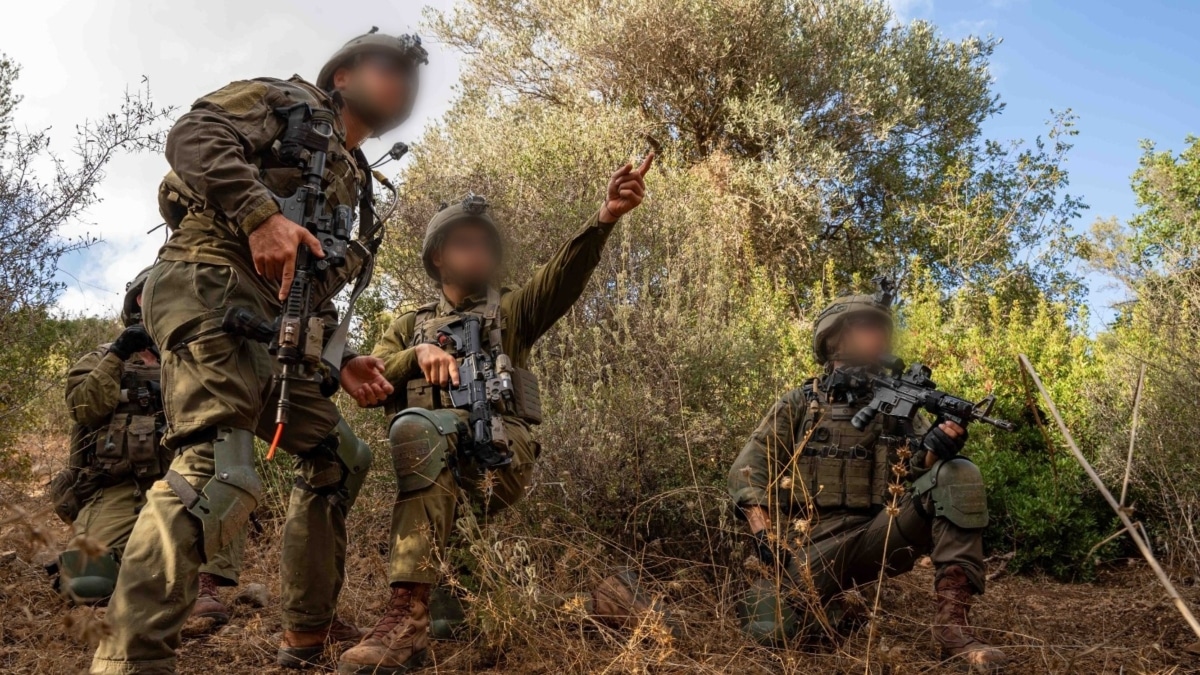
point(423, 394)
point(838, 466)
point(129, 445)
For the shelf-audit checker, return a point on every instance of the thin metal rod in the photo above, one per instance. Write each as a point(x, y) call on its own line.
point(1142, 545)
point(1133, 429)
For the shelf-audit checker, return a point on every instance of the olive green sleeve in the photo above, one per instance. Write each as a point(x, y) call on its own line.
point(770, 447)
point(94, 387)
point(210, 147)
point(399, 358)
point(555, 286)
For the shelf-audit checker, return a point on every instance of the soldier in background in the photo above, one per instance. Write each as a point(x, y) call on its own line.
point(231, 246)
point(814, 492)
point(462, 253)
point(114, 397)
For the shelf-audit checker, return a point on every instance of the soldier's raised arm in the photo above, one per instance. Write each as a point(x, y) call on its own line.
point(557, 285)
point(94, 387)
point(94, 382)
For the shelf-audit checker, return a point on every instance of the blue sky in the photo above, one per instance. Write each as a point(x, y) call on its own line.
point(1129, 70)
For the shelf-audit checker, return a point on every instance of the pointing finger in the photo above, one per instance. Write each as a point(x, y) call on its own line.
point(646, 164)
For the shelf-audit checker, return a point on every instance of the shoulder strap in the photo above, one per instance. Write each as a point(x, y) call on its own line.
point(420, 316)
point(370, 236)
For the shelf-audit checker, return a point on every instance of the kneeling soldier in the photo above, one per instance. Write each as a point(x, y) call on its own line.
point(806, 460)
point(448, 437)
point(114, 397)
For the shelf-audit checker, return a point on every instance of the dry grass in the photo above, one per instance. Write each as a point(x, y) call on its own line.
point(1122, 623)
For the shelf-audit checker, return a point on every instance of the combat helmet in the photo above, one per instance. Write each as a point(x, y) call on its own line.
point(473, 209)
point(830, 320)
point(404, 48)
point(131, 312)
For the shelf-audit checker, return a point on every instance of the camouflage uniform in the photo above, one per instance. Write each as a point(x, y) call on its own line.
point(118, 409)
point(217, 388)
point(423, 515)
point(843, 473)
point(829, 489)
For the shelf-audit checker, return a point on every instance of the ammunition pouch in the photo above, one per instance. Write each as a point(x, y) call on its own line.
point(840, 466)
point(527, 396)
point(224, 504)
point(527, 399)
point(130, 444)
point(956, 488)
point(420, 446)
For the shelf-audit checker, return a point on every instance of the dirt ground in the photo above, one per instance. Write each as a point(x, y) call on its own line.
point(1122, 623)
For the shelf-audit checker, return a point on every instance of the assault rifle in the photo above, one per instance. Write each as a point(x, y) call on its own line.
point(901, 393)
point(297, 336)
point(485, 387)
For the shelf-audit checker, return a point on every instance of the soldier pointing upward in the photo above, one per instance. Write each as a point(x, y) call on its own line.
point(430, 438)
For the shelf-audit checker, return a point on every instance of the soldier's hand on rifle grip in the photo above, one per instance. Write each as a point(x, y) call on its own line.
point(946, 440)
point(273, 245)
point(436, 365)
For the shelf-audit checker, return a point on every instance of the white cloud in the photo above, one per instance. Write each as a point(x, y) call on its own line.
point(907, 10)
point(78, 56)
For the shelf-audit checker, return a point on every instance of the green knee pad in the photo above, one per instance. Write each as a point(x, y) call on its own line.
point(223, 506)
point(765, 615)
point(87, 580)
point(420, 447)
point(355, 456)
point(956, 488)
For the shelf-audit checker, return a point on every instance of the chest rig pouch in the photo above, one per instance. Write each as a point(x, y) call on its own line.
point(130, 445)
point(420, 393)
point(842, 467)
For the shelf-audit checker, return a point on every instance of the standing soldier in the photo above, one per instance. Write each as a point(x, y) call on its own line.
point(807, 461)
point(233, 156)
point(115, 399)
point(434, 447)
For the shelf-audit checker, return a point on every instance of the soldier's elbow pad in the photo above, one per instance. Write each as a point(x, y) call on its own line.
point(956, 488)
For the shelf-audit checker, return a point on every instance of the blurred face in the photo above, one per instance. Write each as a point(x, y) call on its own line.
point(864, 339)
point(468, 257)
point(379, 89)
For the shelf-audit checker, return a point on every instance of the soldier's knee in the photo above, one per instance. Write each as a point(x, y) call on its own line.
point(420, 448)
point(956, 490)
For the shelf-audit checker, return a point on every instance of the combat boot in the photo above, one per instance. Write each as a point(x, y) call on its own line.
point(208, 603)
point(399, 643)
point(952, 630)
point(304, 648)
point(618, 602)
